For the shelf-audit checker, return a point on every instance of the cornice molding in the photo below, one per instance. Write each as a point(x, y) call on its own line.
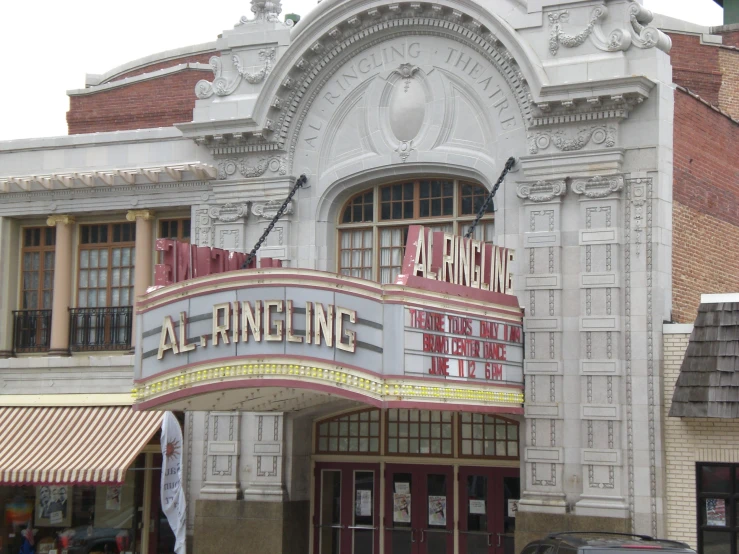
point(108, 177)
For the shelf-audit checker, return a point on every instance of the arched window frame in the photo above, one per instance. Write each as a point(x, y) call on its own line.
point(373, 250)
point(346, 417)
point(487, 421)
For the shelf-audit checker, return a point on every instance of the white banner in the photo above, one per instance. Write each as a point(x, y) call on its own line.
point(172, 493)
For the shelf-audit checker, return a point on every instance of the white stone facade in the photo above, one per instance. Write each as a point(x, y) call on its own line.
point(361, 92)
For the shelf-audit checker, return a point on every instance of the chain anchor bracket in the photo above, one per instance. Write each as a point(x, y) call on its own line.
point(253, 254)
point(481, 212)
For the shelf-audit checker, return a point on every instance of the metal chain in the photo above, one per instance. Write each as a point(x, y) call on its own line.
point(484, 207)
point(299, 183)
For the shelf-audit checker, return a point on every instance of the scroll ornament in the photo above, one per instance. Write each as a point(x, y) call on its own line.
point(222, 87)
point(541, 191)
point(598, 186)
point(619, 39)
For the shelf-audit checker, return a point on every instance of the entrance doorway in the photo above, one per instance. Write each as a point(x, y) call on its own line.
point(346, 519)
point(419, 509)
point(487, 511)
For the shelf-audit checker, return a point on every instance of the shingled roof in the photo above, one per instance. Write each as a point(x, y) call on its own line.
point(708, 384)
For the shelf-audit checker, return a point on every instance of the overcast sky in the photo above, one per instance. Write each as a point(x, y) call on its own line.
point(49, 45)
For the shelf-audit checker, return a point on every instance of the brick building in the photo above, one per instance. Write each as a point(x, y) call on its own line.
point(399, 114)
point(701, 431)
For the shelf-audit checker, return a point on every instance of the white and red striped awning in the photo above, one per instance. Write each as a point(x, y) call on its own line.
point(81, 445)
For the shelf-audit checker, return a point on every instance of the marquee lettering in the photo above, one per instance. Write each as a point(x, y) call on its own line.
point(268, 320)
point(458, 260)
point(458, 341)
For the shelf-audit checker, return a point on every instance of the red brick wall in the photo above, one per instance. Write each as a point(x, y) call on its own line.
point(705, 256)
point(696, 66)
point(158, 102)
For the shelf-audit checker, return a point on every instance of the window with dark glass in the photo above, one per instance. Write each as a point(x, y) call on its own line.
point(37, 268)
point(175, 229)
point(371, 241)
point(718, 508)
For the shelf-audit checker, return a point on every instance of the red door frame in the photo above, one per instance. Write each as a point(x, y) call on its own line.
point(419, 504)
point(495, 508)
point(347, 501)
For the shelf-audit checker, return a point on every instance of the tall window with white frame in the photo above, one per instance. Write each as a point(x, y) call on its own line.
point(373, 225)
point(32, 323)
point(103, 318)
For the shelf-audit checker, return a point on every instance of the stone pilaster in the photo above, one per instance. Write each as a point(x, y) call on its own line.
point(600, 325)
point(265, 457)
point(63, 256)
point(541, 268)
point(143, 257)
point(222, 456)
point(7, 288)
point(220, 225)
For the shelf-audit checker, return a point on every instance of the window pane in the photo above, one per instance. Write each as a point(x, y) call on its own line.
point(716, 542)
point(715, 479)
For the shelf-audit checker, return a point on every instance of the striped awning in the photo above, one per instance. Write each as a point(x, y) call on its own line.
point(80, 445)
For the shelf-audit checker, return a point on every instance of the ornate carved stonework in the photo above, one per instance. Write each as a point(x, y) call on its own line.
point(598, 186)
point(646, 36)
point(229, 212)
point(267, 210)
point(222, 87)
point(619, 39)
point(541, 191)
point(604, 135)
point(229, 166)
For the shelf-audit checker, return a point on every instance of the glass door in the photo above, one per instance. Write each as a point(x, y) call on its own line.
point(487, 511)
point(419, 509)
point(346, 516)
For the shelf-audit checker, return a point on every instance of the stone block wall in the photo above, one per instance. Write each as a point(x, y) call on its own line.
point(688, 441)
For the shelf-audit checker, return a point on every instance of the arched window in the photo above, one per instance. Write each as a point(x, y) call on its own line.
point(373, 225)
point(488, 436)
point(353, 433)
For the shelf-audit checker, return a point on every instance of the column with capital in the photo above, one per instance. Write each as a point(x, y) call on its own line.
point(63, 256)
point(142, 276)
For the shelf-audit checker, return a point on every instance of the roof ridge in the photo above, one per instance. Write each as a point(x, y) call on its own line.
point(707, 103)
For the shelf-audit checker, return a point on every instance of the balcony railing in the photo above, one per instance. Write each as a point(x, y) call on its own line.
point(100, 328)
point(31, 331)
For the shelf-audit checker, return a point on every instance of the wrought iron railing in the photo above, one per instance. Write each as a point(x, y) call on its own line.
point(100, 328)
point(31, 331)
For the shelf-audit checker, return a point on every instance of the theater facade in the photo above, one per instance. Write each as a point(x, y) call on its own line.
point(376, 382)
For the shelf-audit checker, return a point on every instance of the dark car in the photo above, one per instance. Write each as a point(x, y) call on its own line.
point(603, 543)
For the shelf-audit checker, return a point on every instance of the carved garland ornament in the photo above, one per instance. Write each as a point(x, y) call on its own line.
point(597, 134)
point(220, 85)
point(229, 166)
point(618, 40)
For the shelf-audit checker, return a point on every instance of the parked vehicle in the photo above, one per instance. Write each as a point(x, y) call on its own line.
point(588, 542)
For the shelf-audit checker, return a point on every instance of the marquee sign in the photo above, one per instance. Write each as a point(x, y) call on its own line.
point(443, 335)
